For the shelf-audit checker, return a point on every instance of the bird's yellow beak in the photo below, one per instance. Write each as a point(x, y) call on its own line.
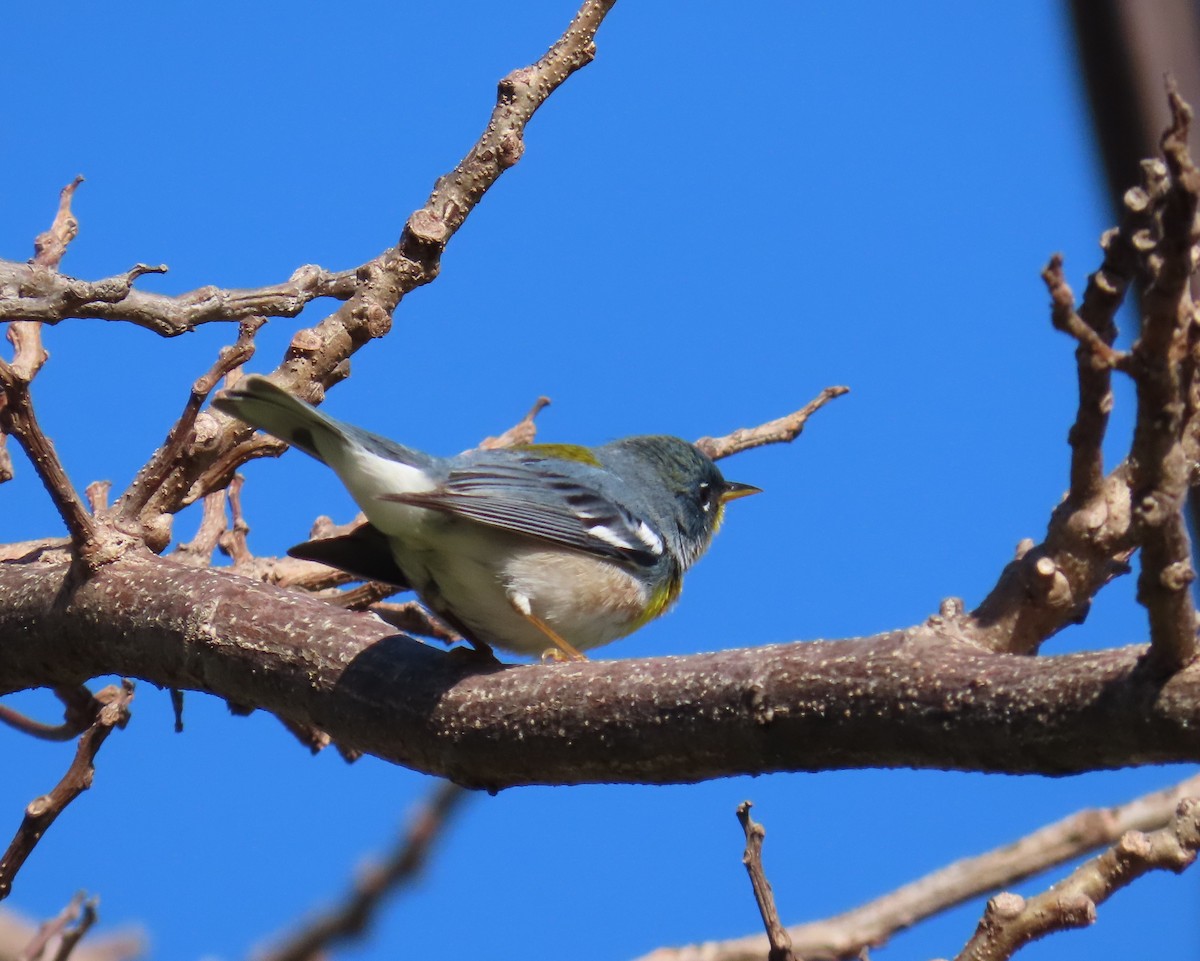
point(732, 491)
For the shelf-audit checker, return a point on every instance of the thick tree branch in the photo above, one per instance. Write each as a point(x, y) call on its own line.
point(880, 702)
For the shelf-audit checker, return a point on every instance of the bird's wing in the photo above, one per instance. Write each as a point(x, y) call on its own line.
point(533, 499)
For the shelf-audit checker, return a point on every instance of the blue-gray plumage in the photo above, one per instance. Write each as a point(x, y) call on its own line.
point(517, 546)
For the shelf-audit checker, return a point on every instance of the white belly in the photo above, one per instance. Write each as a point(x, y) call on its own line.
point(585, 600)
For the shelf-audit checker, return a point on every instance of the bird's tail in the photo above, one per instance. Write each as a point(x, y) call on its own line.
point(263, 405)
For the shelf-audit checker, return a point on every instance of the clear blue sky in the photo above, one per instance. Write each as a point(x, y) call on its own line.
point(733, 207)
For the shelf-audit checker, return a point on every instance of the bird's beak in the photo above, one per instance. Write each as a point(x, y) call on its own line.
point(732, 491)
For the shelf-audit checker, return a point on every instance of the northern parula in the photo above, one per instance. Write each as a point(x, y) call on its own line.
point(519, 546)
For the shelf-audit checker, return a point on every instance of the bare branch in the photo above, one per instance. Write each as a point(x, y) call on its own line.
point(411, 617)
point(233, 541)
point(17, 419)
point(352, 918)
point(523, 432)
point(182, 439)
point(1011, 921)
point(18, 933)
point(49, 247)
point(878, 702)
point(6, 465)
point(97, 495)
point(74, 932)
point(1094, 360)
point(847, 936)
point(317, 356)
point(199, 550)
point(111, 710)
point(78, 715)
point(777, 936)
point(1160, 471)
point(53, 929)
point(26, 293)
point(781, 431)
point(365, 596)
point(16, 408)
point(1091, 535)
point(520, 94)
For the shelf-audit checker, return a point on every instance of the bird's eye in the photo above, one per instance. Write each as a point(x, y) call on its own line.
point(705, 493)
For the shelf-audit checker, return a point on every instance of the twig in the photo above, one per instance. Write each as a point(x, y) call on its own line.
point(17, 419)
point(1094, 359)
point(6, 464)
point(316, 357)
point(522, 432)
point(781, 431)
point(1011, 921)
point(54, 928)
point(97, 495)
point(520, 94)
point(353, 916)
point(411, 617)
point(181, 439)
point(48, 250)
point(846, 936)
point(199, 550)
point(111, 710)
point(362, 597)
point(77, 717)
point(16, 411)
point(777, 935)
point(177, 708)
point(64, 931)
point(73, 933)
point(16, 934)
point(311, 737)
point(233, 541)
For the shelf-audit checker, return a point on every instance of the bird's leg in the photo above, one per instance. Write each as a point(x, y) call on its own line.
point(563, 649)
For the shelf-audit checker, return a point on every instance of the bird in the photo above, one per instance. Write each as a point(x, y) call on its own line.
point(537, 549)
